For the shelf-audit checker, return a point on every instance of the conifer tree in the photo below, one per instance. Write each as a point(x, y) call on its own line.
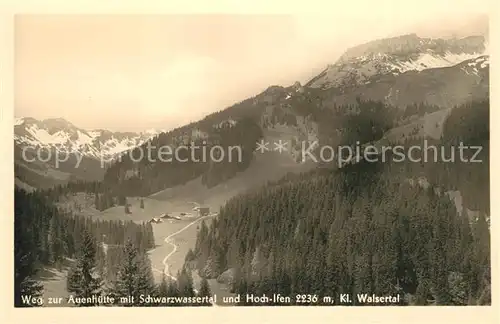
point(163, 287)
point(57, 246)
point(173, 289)
point(134, 276)
point(83, 280)
point(185, 283)
point(97, 202)
point(205, 291)
point(25, 258)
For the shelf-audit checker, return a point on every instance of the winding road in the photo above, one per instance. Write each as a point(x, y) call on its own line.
point(168, 241)
point(175, 247)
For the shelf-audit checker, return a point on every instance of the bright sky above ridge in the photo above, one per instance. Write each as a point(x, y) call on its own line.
point(140, 72)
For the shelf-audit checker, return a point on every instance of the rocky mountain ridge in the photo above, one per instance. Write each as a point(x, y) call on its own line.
point(60, 134)
point(365, 63)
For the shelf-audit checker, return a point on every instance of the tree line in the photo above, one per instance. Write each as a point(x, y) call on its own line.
point(134, 280)
point(108, 257)
point(365, 228)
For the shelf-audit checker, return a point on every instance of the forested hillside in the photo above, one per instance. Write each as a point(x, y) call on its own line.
point(305, 112)
point(109, 256)
point(272, 194)
point(365, 228)
point(147, 176)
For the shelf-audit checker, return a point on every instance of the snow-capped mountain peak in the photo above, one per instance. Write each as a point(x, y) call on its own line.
point(365, 63)
point(63, 136)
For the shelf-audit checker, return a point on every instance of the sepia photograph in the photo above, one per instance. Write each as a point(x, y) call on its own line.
point(233, 160)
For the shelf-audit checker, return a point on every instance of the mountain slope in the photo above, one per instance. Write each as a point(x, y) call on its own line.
point(406, 75)
point(443, 87)
point(360, 64)
point(363, 229)
point(81, 153)
point(64, 136)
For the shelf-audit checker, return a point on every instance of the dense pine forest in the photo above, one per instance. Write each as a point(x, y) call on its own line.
point(272, 107)
point(128, 178)
point(381, 228)
point(108, 257)
point(374, 228)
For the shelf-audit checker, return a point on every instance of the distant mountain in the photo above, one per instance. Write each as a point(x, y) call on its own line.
point(444, 87)
point(366, 63)
point(60, 134)
point(425, 74)
point(44, 137)
point(366, 226)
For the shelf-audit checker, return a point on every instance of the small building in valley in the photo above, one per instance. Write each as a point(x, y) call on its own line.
point(204, 211)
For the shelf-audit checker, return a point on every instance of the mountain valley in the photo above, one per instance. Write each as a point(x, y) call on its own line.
point(279, 223)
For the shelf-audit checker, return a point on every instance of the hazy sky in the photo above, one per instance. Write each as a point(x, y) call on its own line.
point(141, 72)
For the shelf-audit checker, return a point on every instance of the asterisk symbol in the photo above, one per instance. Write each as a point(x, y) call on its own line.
point(262, 146)
point(280, 146)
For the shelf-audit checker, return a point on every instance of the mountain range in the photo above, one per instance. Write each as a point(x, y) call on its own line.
point(274, 220)
point(60, 134)
point(400, 72)
point(45, 137)
point(407, 69)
